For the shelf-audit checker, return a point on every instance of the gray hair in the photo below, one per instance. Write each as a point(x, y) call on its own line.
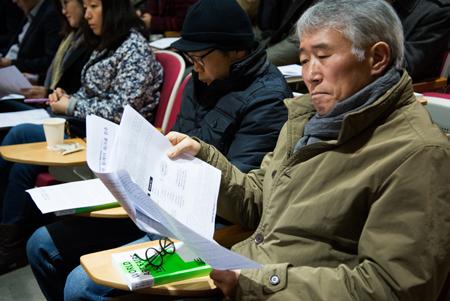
point(363, 22)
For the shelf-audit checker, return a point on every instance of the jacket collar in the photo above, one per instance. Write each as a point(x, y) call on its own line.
point(354, 123)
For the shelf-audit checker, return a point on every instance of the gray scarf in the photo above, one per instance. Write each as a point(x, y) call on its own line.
point(327, 127)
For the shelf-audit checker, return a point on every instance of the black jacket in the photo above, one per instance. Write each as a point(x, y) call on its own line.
point(426, 25)
point(10, 19)
point(41, 41)
point(241, 116)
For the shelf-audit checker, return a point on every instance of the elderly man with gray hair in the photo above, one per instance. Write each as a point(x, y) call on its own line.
point(353, 203)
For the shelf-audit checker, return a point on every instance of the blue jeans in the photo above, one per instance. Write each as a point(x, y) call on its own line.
point(54, 276)
point(91, 291)
point(54, 250)
point(18, 208)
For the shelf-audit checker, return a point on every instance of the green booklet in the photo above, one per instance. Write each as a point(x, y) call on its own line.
point(138, 274)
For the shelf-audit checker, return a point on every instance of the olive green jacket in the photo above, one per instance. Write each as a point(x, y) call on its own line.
point(363, 217)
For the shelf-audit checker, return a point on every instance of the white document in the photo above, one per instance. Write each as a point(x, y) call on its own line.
point(71, 195)
point(290, 71)
point(30, 116)
point(163, 43)
point(439, 109)
point(141, 150)
point(13, 96)
point(175, 198)
point(12, 80)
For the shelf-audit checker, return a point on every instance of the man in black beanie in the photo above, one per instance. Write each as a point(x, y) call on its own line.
point(234, 101)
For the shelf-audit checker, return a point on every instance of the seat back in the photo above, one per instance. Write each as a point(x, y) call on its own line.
point(439, 84)
point(172, 116)
point(445, 72)
point(173, 65)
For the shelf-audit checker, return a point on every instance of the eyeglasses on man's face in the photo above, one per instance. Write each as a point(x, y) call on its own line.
point(197, 58)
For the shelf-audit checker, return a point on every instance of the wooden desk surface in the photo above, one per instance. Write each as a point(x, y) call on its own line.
point(117, 212)
point(100, 269)
point(38, 154)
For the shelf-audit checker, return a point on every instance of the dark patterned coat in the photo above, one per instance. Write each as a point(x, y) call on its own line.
point(110, 80)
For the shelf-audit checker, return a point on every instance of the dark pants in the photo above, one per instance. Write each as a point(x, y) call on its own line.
point(15, 106)
point(54, 252)
point(17, 206)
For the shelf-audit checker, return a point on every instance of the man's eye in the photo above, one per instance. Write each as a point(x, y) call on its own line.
point(303, 62)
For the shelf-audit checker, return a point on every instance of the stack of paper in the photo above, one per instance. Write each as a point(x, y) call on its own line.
point(291, 71)
point(163, 43)
point(174, 198)
point(73, 197)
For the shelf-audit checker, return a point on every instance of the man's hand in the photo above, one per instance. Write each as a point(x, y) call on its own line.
point(182, 144)
point(35, 92)
point(5, 62)
point(226, 281)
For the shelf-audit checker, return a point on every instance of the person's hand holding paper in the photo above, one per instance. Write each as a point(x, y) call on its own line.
point(225, 280)
point(171, 197)
point(5, 62)
point(12, 81)
point(182, 144)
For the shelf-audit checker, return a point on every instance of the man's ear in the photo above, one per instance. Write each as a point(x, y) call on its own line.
point(380, 55)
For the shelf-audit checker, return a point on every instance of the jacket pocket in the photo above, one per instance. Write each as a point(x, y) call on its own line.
point(220, 130)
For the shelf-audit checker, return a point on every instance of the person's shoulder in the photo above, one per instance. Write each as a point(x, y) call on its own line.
point(270, 80)
point(136, 37)
point(135, 44)
point(445, 3)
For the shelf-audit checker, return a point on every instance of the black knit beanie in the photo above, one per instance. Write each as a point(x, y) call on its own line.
point(218, 24)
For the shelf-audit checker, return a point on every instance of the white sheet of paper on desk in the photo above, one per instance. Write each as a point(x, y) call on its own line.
point(439, 109)
point(71, 195)
point(175, 198)
point(12, 80)
point(293, 70)
point(30, 116)
point(163, 43)
point(13, 96)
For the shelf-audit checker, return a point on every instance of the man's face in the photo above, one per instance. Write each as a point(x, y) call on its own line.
point(331, 71)
point(214, 64)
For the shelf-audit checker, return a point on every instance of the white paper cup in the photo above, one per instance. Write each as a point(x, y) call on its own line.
point(54, 131)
